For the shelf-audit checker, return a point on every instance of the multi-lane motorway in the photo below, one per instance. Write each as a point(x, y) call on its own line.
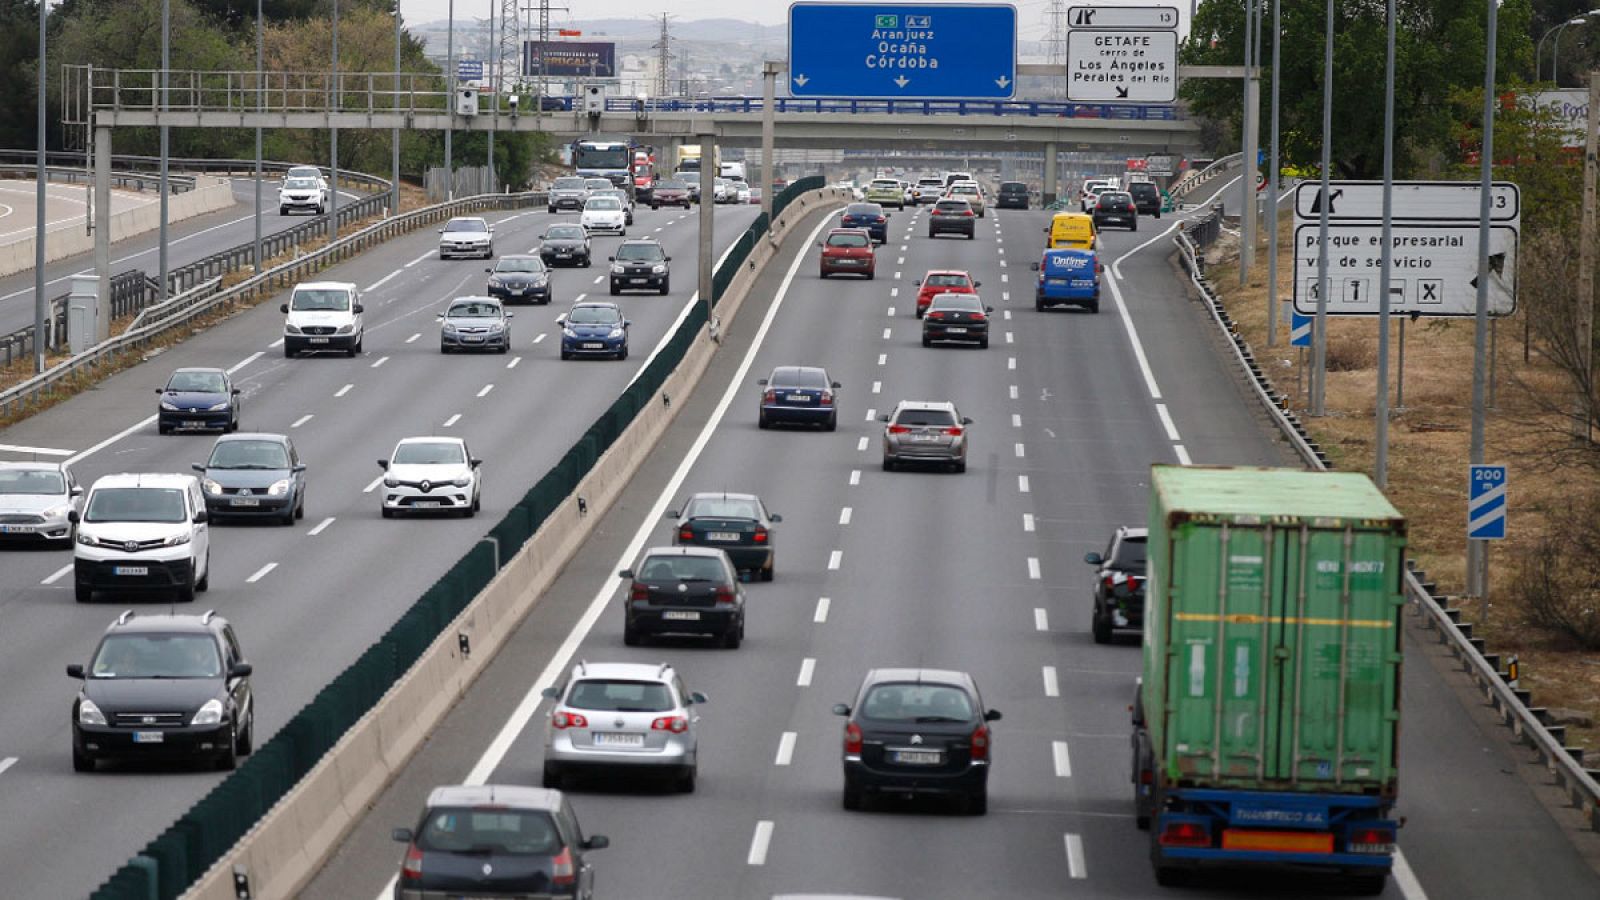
point(305, 600)
point(979, 571)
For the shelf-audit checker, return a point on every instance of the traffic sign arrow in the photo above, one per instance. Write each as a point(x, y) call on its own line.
point(1002, 81)
point(902, 81)
point(1122, 92)
point(801, 79)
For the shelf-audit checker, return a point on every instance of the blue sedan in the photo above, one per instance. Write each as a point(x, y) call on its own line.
point(799, 395)
point(198, 398)
point(594, 328)
point(869, 216)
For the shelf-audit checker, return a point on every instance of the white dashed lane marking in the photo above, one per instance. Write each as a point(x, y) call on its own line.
point(302, 420)
point(819, 617)
point(785, 749)
point(344, 390)
point(321, 527)
point(261, 573)
point(1041, 619)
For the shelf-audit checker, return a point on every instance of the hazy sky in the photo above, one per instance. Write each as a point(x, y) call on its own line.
point(1030, 13)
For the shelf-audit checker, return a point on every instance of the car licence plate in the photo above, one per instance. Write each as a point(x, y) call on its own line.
point(722, 535)
point(245, 501)
point(681, 615)
point(797, 398)
point(918, 757)
point(319, 340)
point(923, 437)
point(130, 570)
point(594, 346)
point(617, 739)
point(637, 280)
point(148, 737)
point(956, 329)
point(18, 529)
point(427, 504)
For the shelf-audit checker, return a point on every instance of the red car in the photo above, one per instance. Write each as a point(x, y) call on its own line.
point(944, 281)
point(848, 250)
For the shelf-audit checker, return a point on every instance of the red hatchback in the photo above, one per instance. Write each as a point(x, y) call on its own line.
point(943, 281)
point(848, 250)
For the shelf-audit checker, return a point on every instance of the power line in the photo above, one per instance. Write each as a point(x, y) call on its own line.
point(1055, 39)
point(663, 48)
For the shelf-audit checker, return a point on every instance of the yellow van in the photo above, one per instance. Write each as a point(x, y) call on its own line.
point(1072, 231)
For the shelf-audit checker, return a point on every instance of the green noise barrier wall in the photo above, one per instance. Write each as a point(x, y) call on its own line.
point(182, 853)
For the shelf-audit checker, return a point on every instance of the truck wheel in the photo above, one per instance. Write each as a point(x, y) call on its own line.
point(1101, 627)
point(1171, 876)
point(1368, 885)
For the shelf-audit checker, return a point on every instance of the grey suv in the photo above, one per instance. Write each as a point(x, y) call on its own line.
point(925, 431)
point(567, 193)
point(622, 717)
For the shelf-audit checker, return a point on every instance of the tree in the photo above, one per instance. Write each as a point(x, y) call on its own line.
point(19, 57)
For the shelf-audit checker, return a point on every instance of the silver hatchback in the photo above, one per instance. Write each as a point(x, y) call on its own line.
point(629, 717)
point(919, 431)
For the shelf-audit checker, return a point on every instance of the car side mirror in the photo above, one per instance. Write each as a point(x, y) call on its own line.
point(761, 381)
point(611, 259)
point(992, 715)
point(73, 516)
point(596, 842)
point(883, 418)
point(627, 323)
point(359, 309)
point(77, 491)
point(626, 573)
point(839, 709)
point(74, 670)
point(476, 462)
point(383, 464)
point(1094, 559)
point(441, 231)
point(837, 385)
point(775, 517)
point(669, 259)
point(549, 693)
point(403, 835)
point(201, 517)
point(1033, 266)
point(161, 390)
point(298, 467)
point(979, 284)
point(234, 392)
point(283, 307)
point(438, 315)
point(241, 670)
point(490, 271)
point(697, 697)
point(198, 467)
point(988, 309)
point(561, 319)
point(672, 514)
point(966, 420)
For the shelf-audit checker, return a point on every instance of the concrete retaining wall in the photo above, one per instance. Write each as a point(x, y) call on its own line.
point(286, 848)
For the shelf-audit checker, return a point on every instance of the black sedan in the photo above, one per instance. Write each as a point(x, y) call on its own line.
point(566, 245)
point(684, 590)
point(736, 523)
point(519, 278)
point(802, 395)
point(917, 732)
point(255, 475)
point(956, 317)
point(1119, 581)
point(196, 399)
point(869, 216)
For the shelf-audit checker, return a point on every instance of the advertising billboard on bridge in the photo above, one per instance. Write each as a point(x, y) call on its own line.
point(569, 59)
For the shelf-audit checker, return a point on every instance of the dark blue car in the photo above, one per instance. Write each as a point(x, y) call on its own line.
point(198, 398)
point(594, 328)
point(869, 216)
point(801, 395)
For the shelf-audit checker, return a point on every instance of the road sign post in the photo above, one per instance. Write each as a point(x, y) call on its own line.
point(903, 51)
point(1300, 330)
point(1122, 54)
point(1486, 521)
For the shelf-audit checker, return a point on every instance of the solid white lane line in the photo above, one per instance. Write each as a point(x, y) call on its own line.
point(883, 359)
point(1022, 484)
point(871, 414)
point(1052, 687)
point(1027, 521)
point(41, 451)
point(1016, 420)
point(373, 486)
point(1021, 451)
point(261, 573)
point(1033, 568)
point(887, 333)
point(302, 420)
point(321, 527)
point(785, 749)
point(819, 617)
point(515, 361)
point(7, 763)
point(1133, 338)
point(1183, 455)
point(451, 421)
point(380, 361)
point(855, 477)
point(486, 389)
point(245, 362)
point(58, 574)
point(807, 667)
point(1405, 879)
point(1075, 866)
point(1012, 391)
point(759, 842)
point(1058, 749)
point(844, 516)
point(413, 337)
point(344, 390)
point(861, 444)
point(834, 558)
point(1041, 619)
point(538, 338)
point(380, 282)
point(137, 426)
point(1166, 422)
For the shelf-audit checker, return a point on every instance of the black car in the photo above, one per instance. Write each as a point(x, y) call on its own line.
point(1146, 199)
point(1119, 581)
point(519, 278)
point(1012, 195)
point(641, 265)
point(803, 395)
point(952, 217)
point(198, 398)
point(868, 216)
point(738, 524)
point(1115, 208)
point(917, 732)
point(494, 840)
point(164, 687)
point(956, 317)
point(684, 590)
point(254, 475)
point(568, 244)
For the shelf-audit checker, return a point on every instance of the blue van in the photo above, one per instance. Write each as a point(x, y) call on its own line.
point(1068, 278)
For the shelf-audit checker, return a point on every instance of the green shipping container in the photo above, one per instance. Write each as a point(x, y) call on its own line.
point(1272, 630)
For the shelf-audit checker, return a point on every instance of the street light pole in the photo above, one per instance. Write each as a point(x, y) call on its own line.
point(450, 99)
point(41, 305)
point(1274, 177)
point(166, 64)
point(1381, 409)
point(1555, 46)
point(260, 95)
point(394, 139)
point(1319, 341)
point(333, 138)
point(1477, 552)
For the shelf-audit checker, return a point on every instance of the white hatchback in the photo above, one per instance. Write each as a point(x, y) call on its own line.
point(604, 214)
point(431, 474)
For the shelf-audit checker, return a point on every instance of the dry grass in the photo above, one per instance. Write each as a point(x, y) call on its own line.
point(1428, 456)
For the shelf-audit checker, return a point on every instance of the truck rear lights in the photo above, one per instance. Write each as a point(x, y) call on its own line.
point(1278, 841)
point(1378, 840)
point(1185, 834)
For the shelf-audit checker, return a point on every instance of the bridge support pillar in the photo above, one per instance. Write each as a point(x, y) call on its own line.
point(1049, 173)
point(708, 205)
point(769, 81)
point(102, 231)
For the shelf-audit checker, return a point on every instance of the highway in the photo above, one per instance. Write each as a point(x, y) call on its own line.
point(980, 571)
point(304, 600)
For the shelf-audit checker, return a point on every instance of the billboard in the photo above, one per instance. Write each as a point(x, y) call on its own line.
point(1570, 106)
point(569, 59)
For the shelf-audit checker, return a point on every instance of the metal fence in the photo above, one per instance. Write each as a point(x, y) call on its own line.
point(137, 181)
point(130, 291)
point(467, 181)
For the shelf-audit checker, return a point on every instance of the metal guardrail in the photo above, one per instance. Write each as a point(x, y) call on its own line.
point(1218, 167)
point(130, 291)
point(138, 181)
point(1527, 723)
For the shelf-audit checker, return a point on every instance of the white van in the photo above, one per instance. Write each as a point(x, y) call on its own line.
point(733, 171)
point(142, 533)
point(323, 315)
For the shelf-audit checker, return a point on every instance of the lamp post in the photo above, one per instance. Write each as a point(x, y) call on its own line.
point(450, 99)
point(260, 96)
point(1538, 49)
point(394, 102)
point(40, 304)
point(1555, 45)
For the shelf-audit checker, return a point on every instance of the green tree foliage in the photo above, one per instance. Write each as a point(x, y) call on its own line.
point(19, 53)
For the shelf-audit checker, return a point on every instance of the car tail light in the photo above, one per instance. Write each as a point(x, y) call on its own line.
point(724, 596)
point(411, 868)
point(980, 742)
point(899, 429)
point(1147, 776)
point(827, 398)
point(852, 737)
point(978, 317)
point(953, 431)
point(684, 534)
point(639, 592)
point(936, 315)
point(674, 724)
point(1371, 840)
point(966, 212)
point(1109, 582)
point(761, 536)
point(564, 720)
point(1185, 834)
point(562, 871)
point(770, 397)
point(1134, 582)
point(880, 219)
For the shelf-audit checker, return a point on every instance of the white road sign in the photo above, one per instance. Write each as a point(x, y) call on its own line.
point(1414, 201)
point(1122, 66)
point(1434, 269)
point(1123, 18)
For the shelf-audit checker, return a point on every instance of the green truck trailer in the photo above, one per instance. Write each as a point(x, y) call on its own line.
point(1266, 725)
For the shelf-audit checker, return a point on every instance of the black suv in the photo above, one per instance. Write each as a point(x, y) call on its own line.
point(1119, 584)
point(1146, 198)
point(1013, 195)
point(641, 266)
point(164, 687)
point(952, 217)
point(1115, 208)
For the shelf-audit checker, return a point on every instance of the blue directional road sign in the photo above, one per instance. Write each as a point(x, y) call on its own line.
point(1300, 329)
point(903, 51)
point(1486, 503)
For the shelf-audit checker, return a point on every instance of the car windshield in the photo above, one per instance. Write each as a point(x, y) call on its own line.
point(884, 185)
point(722, 508)
point(947, 280)
point(941, 417)
point(1130, 553)
point(605, 203)
point(320, 299)
point(198, 382)
point(567, 184)
point(157, 656)
point(620, 696)
point(564, 232)
point(489, 831)
point(593, 315)
point(597, 184)
point(429, 453)
point(863, 209)
point(1014, 187)
point(465, 225)
point(672, 186)
point(799, 378)
point(519, 264)
point(135, 504)
point(690, 177)
point(304, 172)
point(682, 568)
point(959, 206)
point(476, 309)
point(616, 194)
point(301, 184)
point(847, 240)
point(32, 481)
point(958, 301)
point(644, 251)
point(898, 702)
point(963, 189)
point(249, 455)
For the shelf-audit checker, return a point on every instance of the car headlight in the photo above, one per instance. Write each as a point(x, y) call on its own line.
point(463, 481)
point(568, 332)
point(291, 329)
point(391, 482)
point(345, 329)
point(449, 328)
point(211, 486)
point(496, 283)
point(89, 714)
point(176, 540)
point(540, 281)
point(166, 405)
point(617, 270)
point(659, 270)
point(57, 512)
point(217, 407)
point(279, 488)
point(616, 331)
point(210, 713)
point(495, 327)
point(87, 539)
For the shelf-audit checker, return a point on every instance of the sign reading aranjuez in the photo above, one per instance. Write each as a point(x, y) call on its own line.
point(903, 51)
point(1122, 54)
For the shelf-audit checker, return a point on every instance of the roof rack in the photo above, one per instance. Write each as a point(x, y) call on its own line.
point(126, 615)
point(583, 666)
point(662, 672)
point(209, 615)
